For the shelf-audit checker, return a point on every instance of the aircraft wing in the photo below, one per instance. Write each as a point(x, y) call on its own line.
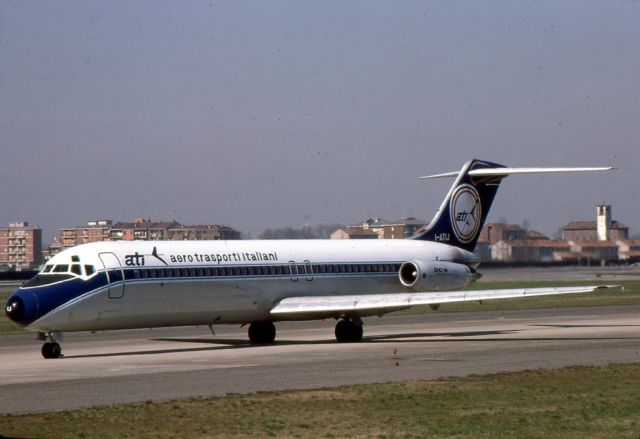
point(368, 302)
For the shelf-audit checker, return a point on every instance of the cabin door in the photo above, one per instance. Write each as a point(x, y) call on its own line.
point(114, 273)
point(293, 271)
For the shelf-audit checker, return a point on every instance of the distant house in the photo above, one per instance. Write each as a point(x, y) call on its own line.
point(601, 252)
point(349, 233)
point(494, 238)
point(602, 229)
point(537, 250)
point(397, 229)
point(629, 250)
point(494, 232)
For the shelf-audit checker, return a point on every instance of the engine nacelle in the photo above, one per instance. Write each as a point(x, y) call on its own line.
point(436, 275)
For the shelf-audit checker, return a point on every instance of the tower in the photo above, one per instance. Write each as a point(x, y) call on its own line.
point(603, 222)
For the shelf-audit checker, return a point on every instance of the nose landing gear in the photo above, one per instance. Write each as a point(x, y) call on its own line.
point(51, 349)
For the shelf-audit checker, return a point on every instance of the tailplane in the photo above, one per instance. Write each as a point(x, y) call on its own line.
point(464, 210)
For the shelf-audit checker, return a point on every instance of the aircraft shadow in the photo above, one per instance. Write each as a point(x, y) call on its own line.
point(412, 337)
point(228, 344)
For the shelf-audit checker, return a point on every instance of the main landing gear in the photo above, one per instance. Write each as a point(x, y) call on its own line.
point(262, 333)
point(51, 349)
point(349, 331)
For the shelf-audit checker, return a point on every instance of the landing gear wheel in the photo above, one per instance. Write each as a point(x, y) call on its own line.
point(51, 350)
point(348, 331)
point(262, 333)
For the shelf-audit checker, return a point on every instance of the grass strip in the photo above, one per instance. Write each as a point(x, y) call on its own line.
point(574, 402)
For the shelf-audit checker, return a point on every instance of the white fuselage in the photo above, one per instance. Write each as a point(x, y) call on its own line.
point(137, 284)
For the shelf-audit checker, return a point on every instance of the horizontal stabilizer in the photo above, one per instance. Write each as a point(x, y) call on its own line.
point(503, 172)
point(299, 306)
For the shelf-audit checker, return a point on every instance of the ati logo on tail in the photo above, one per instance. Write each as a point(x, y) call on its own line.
point(466, 213)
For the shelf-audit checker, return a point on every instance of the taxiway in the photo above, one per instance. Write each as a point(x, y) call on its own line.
point(161, 364)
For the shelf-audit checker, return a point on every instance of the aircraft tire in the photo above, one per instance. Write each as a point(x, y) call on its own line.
point(51, 350)
point(262, 333)
point(348, 332)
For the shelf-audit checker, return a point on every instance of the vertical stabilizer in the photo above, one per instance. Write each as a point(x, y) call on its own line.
point(463, 212)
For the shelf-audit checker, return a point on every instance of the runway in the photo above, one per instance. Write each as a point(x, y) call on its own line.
point(161, 364)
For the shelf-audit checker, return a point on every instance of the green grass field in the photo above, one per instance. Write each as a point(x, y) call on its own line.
point(576, 402)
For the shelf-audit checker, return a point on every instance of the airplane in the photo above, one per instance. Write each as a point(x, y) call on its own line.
point(143, 284)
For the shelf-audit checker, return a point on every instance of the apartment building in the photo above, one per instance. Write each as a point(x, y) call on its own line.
point(20, 246)
point(140, 229)
point(94, 231)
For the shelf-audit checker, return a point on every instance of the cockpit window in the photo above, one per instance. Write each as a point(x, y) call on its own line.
point(61, 268)
point(76, 269)
point(47, 268)
point(89, 269)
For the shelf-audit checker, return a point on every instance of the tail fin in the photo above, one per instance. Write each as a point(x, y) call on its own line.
point(463, 212)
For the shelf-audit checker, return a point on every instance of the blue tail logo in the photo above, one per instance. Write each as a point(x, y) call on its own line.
point(466, 213)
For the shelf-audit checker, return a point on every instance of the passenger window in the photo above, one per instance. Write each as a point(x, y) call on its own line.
point(76, 269)
point(89, 270)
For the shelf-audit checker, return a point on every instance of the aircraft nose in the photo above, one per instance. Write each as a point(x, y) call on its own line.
point(21, 308)
point(15, 309)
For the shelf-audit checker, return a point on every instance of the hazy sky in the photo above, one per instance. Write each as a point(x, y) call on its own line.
point(255, 114)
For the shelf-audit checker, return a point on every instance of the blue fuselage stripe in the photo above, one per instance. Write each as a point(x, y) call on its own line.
point(41, 300)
